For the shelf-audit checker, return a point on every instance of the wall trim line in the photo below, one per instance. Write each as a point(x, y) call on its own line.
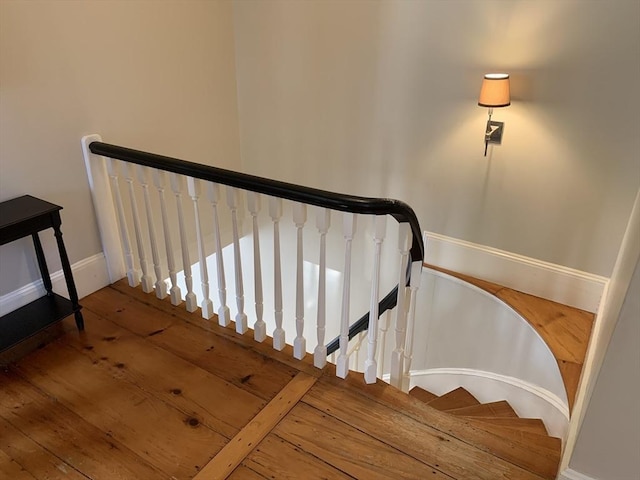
point(90, 274)
point(570, 474)
point(558, 283)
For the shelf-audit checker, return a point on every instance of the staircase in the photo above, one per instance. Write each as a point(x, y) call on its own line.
point(493, 428)
point(496, 418)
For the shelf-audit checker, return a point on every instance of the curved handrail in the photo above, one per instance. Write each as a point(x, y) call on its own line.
point(399, 210)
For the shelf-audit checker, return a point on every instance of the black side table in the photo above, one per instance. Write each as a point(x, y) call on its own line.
point(24, 216)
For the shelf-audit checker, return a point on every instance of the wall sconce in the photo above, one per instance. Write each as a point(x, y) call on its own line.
point(494, 94)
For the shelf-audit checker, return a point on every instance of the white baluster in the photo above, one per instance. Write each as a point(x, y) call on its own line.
point(160, 285)
point(260, 327)
point(384, 327)
point(354, 354)
point(333, 358)
point(146, 280)
point(275, 212)
point(349, 230)
point(133, 276)
point(323, 221)
point(224, 317)
point(414, 285)
point(370, 365)
point(159, 180)
point(193, 185)
point(397, 356)
point(299, 343)
point(233, 199)
point(191, 302)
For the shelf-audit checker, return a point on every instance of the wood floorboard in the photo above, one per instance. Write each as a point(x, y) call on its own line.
point(264, 348)
point(11, 469)
point(348, 449)
point(274, 457)
point(128, 413)
point(259, 427)
point(433, 446)
point(32, 457)
point(251, 371)
point(67, 436)
point(493, 409)
point(533, 425)
point(199, 394)
point(245, 473)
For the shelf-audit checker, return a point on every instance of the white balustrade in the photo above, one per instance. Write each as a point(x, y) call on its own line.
point(146, 280)
point(385, 321)
point(190, 298)
point(354, 353)
point(414, 285)
point(397, 356)
point(275, 212)
point(133, 276)
point(299, 219)
point(259, 327)
point(159, 180)
point(160, 286)
point(193, 185)
point(370, 365)
point(224, 316)
point(349, 230)
point(233, 198)
point(323, 222)
point(104, 179)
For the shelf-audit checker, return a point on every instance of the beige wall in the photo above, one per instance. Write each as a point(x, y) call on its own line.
point(609, 440)
point(379, 99)
point(158, 76)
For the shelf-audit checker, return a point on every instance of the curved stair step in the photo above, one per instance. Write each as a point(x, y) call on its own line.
point(458, 398)
point(506, 444)
point(532, 425)
point(422, 394)
point(544, 442)
point(492, 409)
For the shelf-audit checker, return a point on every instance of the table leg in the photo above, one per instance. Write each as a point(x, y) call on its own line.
point(42, 264)
point(66, 268)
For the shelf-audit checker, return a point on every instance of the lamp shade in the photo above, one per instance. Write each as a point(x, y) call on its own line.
point(495, 91)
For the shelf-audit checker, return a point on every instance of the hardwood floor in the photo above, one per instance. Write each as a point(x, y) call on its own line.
point(150, 391)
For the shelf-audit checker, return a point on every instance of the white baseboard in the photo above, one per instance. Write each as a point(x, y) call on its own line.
point(554, 282)
point(570, 474)
point(89, 276)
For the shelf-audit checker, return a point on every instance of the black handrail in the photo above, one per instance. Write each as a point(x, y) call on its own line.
point(312, 196)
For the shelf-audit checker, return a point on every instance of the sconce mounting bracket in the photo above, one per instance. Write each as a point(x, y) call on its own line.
point(494, 132)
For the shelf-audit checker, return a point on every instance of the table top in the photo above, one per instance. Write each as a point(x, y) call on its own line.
point(24, 208)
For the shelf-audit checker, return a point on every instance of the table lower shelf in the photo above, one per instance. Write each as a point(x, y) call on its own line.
point(34, 317)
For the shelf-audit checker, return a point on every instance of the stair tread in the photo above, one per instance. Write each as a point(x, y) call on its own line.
point(533, 425)
point(492, 409)
point(422, 394)
point(542, 441)
point(408, 424)
point(457, 398)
